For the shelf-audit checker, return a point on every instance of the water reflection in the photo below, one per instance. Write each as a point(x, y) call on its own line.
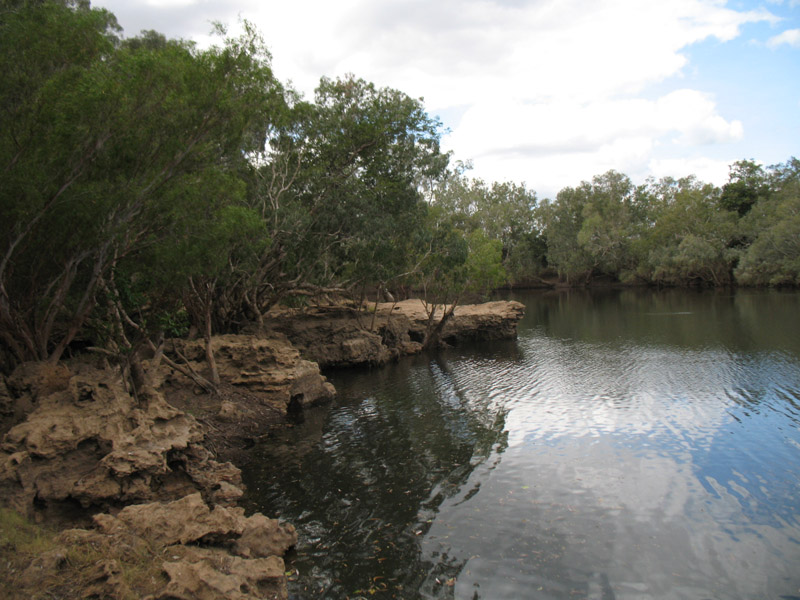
point(628, 445)
point(363, 480)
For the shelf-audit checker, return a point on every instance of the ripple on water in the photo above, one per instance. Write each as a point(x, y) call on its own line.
point(604, 462)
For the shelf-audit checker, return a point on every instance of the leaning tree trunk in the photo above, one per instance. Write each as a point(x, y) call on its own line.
point(433, 335)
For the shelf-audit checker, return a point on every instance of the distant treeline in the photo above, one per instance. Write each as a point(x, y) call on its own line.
point(676, 232)
point(149, 187)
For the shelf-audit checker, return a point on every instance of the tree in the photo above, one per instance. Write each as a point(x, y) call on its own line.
point(53, 60)
point(746, 183)
point(562, 220)
point(453, 263)
point(612, 219)
point(690, 238)
point(505, 212)
point(774, 222)
point(590, 229)
point(339, 188)
point(111, 149)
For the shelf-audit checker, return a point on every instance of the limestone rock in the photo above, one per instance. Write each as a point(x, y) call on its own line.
point(343, 337)
point(204, 552)
point(207, 575)
point(262, 537)
point(107, 581)
point(38, 379)
point(88, 441)
point(191, 520)
point(180, 522)
point(470, 322)
point(488, 321)
point(333, 337)
point(29, 381)
point(209, 571)
point(267, 365)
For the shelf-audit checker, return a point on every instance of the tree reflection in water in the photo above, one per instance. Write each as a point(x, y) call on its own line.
point(363, 478)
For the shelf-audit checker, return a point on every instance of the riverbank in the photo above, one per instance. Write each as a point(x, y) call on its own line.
point(151, 479)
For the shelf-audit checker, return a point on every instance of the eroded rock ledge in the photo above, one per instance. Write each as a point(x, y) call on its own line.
point(340, 337)
point(79, 449)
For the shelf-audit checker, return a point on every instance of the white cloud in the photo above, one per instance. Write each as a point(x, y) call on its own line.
point(706, 169)
point(549, 91)
point(553, 144)
point(790, 37)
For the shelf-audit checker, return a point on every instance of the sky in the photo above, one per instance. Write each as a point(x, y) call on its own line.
point(547, 93)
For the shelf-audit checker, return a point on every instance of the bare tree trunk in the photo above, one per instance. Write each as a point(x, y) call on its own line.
point(433, 334)
point(212, 362)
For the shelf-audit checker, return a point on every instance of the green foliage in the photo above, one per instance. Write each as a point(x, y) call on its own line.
point(504, 212)
point(115, 149)
point(690, 239)
point(484, 266)
point(774, 256)
point(563, 220)
point(148, 184)
point(590, 229)
point(340, 189)
point(747, 181)
point(443, 275)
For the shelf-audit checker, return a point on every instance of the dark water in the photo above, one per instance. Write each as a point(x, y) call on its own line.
point(629, 445)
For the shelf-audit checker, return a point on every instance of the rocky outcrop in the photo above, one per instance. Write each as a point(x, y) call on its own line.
point(88, 446)
point(343, 337)
point(268, 366)
point(165, 550)
point(191, 521)
point(470, 322)
point(339, 336)
point(87, 442)
point(263, 378)
point(213, 553)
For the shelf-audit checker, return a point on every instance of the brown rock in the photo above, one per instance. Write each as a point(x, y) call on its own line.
point(180, 522)
point(210, 571)
point(107, 582)
point(190, 520)
point(20, 393)
point(208, 575)
point(262, 537)
point(342, 337)
point(88, 440)
point(38, 379)
point(228, 412)
point(333, 337)
point(267, 365)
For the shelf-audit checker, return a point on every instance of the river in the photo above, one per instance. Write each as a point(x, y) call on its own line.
point(629, 444)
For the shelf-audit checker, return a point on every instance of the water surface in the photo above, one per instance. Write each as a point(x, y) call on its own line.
point(628, 445)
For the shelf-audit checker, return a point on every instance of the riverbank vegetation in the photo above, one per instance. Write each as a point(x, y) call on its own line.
point(150, 187)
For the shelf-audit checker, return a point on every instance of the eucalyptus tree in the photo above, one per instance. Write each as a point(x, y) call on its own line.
point(55, 124)
point(339, 187)
point(747, 182)
point(590, 229)
point(109, 150)
point(773, 223)
point(690, 240)
point(505, 212)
